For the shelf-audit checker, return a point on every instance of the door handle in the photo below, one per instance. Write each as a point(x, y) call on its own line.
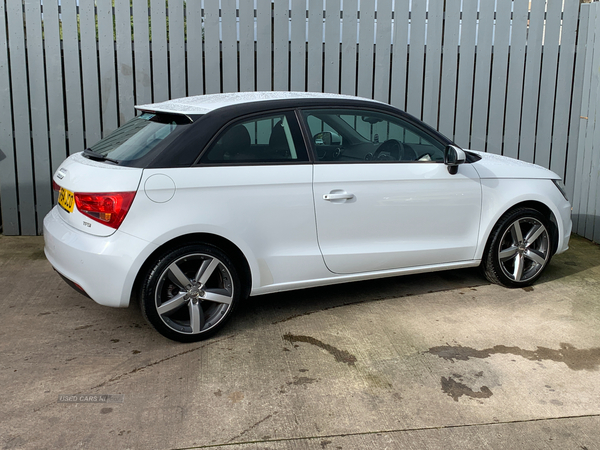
point(338, 196)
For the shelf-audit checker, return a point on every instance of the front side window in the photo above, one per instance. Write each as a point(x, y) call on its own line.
point(267, 139)
point(354, 135)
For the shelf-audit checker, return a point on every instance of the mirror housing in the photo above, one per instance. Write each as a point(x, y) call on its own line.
point(453, 157)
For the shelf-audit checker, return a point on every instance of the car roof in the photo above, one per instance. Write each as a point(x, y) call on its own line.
point(203, 104)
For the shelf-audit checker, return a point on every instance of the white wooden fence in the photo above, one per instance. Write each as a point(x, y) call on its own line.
point(512, 79)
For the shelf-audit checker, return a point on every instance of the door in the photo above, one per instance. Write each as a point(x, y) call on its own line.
point(384, 198)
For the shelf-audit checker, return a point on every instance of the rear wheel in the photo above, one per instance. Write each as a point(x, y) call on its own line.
point(189, 293)
point(519, 248)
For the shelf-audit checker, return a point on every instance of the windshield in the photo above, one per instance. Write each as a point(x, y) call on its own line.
point(139, 136)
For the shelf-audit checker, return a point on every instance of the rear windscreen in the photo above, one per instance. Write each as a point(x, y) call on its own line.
point(140, 135)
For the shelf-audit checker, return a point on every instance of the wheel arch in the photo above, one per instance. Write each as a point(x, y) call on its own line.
point(539, 206)
point(233, 252)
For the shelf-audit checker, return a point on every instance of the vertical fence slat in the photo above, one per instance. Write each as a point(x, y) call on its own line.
point(315, 46)
point(8, 178)
point(449, 69)
point(281, 35)
point(349, 37)
point(464, 95)
point(124, 61)
point(246, 45)
point(177, 48)
point(229, 46)
point(433, 63)
point(141, 47)
point(54, 85)
point(592, 213)
point(70, 34)
point(89, 72)
point(585, 53)
point(383, 45)
point(532, 81)
point(18, 74)
point(39, 117)
point(158, 55)
point(212, 54)
point(548, 83)
point(564, 89)
point(516, 69)
point(416, 59)
point(263, 45)
point(481, 88)
point(499, 78)
point(366, 36)
point(298, 47)
point(331, 70)
point(194, 53)
point(106, 52)
point(575, 125)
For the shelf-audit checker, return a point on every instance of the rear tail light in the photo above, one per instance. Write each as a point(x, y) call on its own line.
point(106, 208)
point(55, 186)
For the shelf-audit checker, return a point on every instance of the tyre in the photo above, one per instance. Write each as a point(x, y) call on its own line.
point(189, 293)
point(519, 248)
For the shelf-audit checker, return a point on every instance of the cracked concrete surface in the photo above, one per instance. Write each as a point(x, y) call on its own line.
point(442, 360)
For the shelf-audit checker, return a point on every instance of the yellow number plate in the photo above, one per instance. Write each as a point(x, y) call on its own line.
point(66, 199)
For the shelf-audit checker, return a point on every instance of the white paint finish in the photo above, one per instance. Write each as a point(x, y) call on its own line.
point(271, 207)
point(78, 256)
point(203, 104)
point(401, 215)
point(80, 174)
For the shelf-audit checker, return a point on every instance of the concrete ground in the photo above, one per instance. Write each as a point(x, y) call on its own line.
point(437, 361)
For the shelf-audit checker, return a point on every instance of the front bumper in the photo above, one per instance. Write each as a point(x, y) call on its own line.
point(104, 267)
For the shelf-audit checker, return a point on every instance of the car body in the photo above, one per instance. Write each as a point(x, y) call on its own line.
point(202, 201)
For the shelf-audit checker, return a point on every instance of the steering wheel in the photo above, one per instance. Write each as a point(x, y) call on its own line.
point(394, 149)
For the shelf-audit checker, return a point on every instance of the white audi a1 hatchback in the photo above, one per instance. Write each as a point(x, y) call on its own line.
point(199, 202)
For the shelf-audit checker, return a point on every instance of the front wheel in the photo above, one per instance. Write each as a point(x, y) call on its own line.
point(189, 293)
point(519, 249)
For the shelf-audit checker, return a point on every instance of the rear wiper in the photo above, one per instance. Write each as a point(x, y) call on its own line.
point(91, 154)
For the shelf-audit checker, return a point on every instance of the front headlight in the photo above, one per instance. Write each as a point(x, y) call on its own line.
point(561, 187)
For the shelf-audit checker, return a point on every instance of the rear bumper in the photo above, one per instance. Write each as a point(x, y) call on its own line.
point(104, 267)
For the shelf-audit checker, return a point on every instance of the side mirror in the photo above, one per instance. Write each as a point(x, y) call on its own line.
point(453, 157)
point(328, 138)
